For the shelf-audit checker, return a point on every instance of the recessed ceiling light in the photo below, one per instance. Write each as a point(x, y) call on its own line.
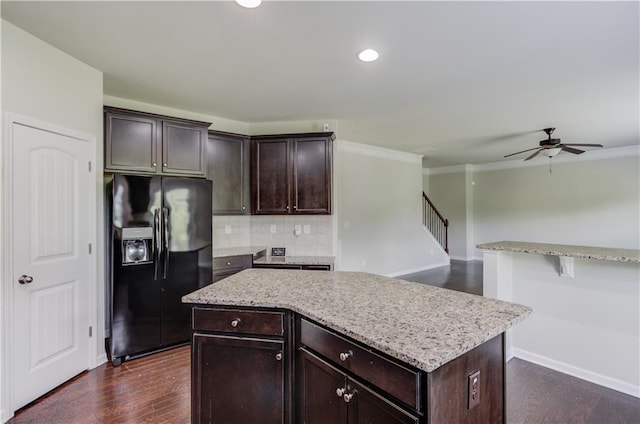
point(368, 55)
point(249, 4)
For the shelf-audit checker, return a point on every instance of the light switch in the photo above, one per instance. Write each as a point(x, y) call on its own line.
point(227, 229)
point(307, 229)
point(273, 228)
point(297, 229)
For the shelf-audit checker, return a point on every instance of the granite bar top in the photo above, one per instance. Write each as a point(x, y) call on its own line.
point(587, 252)
point(296, 260)
point(241, 250)
point(418, 324)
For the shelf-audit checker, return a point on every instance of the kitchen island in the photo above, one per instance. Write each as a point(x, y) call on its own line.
point(313, 346)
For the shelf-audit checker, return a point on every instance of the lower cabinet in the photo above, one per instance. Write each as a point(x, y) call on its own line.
point(225, 266)
point(328, 395)
point(239, 369)
point(292, 266)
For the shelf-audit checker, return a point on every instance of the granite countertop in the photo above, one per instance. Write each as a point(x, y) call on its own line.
point(418, 324)
point(587, 252)
point(296, 260)
point(237, 251)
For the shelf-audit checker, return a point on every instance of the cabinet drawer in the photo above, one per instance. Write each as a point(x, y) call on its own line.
point(239, 321)
point(228, 262)
point(398, 381)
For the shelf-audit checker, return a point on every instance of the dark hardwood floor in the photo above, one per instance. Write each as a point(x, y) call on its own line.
point(156, 388)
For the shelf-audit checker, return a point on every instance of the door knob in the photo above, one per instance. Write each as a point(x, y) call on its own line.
point(25, 279)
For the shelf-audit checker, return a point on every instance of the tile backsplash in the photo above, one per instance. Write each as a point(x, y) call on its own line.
point(305, 235)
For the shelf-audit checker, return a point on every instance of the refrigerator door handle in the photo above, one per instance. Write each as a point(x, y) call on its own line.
point(157, 243)
point(165, 238)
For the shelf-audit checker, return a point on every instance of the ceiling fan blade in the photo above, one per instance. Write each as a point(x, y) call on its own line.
point(584, 145)
point(517, 153)
point(536, 153)
point(572, 150)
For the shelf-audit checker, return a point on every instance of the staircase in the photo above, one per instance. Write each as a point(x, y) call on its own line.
point(435, 222)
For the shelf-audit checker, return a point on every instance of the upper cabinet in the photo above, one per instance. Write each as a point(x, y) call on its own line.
point(228, 169)
point(291, 174)
point(138, 142)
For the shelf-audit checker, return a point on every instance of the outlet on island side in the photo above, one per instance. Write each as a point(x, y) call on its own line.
point(474, 389)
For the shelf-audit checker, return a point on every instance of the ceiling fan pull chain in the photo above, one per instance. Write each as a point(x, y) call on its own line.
point(550, 165)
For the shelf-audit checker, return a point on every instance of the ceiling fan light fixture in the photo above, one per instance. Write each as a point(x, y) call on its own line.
point(552, 152)
point(249, 4)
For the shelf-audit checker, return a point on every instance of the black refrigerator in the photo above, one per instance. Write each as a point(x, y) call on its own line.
point(159, 249)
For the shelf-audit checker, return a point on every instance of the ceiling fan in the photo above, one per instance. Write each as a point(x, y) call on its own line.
point(552, 146)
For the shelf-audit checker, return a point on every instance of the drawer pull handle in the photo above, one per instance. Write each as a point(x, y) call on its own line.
point(279, 356)
point(235, 322)
point(345, 355)
point(348, 396)
point(340, 391)
point(228, 263)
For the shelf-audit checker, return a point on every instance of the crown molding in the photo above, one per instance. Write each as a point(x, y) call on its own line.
point(612, 153)
point(379, 152)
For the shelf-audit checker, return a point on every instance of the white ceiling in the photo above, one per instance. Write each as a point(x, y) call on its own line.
point(461, 82)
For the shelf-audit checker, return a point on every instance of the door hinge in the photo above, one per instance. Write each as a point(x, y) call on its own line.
point(89, 248)
point(89, 166)
point(90, 331)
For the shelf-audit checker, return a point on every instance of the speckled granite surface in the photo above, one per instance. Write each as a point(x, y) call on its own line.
point(587, 252)
point(421, 325)
point(296, 260)
point(235, 251)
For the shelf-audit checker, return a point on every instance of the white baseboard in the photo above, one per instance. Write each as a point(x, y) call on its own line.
point(414, 270)
point(101, 359)
point(599, 379)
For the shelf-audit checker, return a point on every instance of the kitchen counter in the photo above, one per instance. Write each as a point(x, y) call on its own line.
point(586, 252)
point(295, 260)
point(255, 251)
point(418, 324)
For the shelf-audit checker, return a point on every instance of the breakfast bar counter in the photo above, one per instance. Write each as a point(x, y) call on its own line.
point(434, 355)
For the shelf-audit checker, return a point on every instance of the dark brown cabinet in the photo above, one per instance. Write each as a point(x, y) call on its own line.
point(228, 169)
point(239, 367)
point(225, 266)
point(137, 142)
point(291, 174)
point(328, 395)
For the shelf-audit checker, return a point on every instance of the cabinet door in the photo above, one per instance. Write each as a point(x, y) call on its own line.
point(228, 168)
point(311, 175)
point(183, 148)
point(130, 143)
point(237, 380)
point(367, 407)
point(271, 175)
point(317, 399)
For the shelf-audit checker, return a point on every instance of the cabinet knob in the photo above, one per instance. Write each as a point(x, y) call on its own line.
point(164, 164)
point(243, 207)
point(347, 397)
point(341, 391)
point(155, 164)
point(235, 322)
point(295, 206)
point(345, 355)
point(228, 263)
point(279, 356)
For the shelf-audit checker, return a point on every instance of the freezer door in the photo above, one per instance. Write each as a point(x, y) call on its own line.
point(134, 293)
point(187, 254)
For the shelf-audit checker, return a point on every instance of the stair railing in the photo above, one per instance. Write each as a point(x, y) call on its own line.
point(435, 222)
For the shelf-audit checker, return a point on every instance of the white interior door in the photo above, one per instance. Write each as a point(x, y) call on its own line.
point(51, 267)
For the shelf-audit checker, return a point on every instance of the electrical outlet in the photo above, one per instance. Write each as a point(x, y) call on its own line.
point(227, 229)
point(307, 229)
point(474, 389)
point(272, 228)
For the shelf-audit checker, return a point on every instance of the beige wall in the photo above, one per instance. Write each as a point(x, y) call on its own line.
point(593, 203)
point(45, 84)
point(379, 211)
